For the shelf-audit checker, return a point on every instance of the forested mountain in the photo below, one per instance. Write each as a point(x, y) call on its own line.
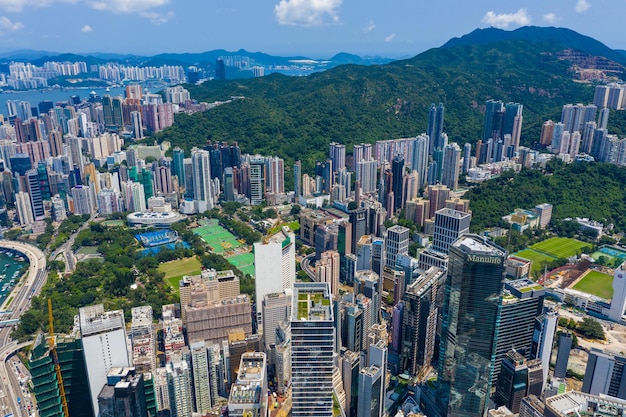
point(296, 117)
point(593, 190)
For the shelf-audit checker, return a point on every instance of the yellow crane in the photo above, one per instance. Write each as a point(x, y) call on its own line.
point(55, 360)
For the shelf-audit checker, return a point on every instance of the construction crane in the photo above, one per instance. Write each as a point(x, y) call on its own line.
point(55, 360)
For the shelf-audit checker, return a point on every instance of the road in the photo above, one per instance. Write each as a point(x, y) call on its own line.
point(305, 264)
point(68, 255)
point(22, 294)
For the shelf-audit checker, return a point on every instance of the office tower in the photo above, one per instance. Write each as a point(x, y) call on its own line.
point(123, 395)
point(449, 225)
point(255, 190)
point(513, 382)
point(543, 338)
point(143, 339)
point(104, 345)
point(372, 381)
point(435, 126)
point(179, 389)
point(618, 301)
point(350, 367)
point(326, 238)
point(396, 243)
point(200, 372)
point(470, 315)
point(202, 193)
point(418, 328)
point(379, 255)
point(522, 302)
point(312, 348)
point(358, 220)
point(327, 270)
point(562, 355)
point(34, 191)
point(276, 251)
point(337, 153)
point(276, 309)
point(178, 157)
point(248, 395)
point(605, 374)
point(297, 179)
point(493, 119)
point(397, 170)
point(136, 123)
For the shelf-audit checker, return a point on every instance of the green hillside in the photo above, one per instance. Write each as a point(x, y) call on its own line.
point(296, 117)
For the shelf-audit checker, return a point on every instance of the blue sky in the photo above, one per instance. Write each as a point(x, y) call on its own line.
point(314, 28)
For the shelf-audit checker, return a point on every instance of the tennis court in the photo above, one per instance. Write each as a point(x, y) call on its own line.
point(243, 262)
point(218, 238)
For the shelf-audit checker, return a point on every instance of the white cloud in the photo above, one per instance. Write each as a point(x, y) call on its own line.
point(581, 6)
point(7, 25)
point(14, 6)
point(157, 18)
point(390, 37)
point(369, 27)
point(86, 29)
point(550, 18)
point(504, 20)
point(127, 6)
point(307, 12)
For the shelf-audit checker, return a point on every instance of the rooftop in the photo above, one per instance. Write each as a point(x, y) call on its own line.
point(312, 301)
point(478, 245)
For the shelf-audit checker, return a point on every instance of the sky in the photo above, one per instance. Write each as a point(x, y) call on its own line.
point(311, 28)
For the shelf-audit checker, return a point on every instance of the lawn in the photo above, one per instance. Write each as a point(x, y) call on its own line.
point(537, 258)
point(180, 267)
point(596, 283)
point(244, 262)
point(560, 247)
point(87, 250)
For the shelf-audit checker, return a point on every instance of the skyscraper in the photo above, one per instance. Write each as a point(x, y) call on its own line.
point(201, 382)
point(543, 339)
point(104, 345)
point(396, 243)
point(248, 395)
point(297, 179)
point(202, 193)
point(435, 127)
point(451, 166)
point(605, 374)
point(419, 162)
point(312, 345)
point(397, 170)
point(123, 395)
point(276, 253)
point(337, 153)
point(471, 311)
point(179, 388)
point(492, 109)
point(449, 225)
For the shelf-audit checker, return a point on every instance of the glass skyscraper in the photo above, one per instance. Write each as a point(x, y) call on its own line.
point(471, 312)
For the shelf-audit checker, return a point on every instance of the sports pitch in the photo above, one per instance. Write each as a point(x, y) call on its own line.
point(596, 283)
point(219, 239)
point(243, 262)
point(560, 247)
point(550, 250)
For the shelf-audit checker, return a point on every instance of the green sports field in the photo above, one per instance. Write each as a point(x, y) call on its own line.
point(560, 247)
point(596, 283)
point(175, 270)
point(218, 238)
point(244, 262)
point(536, 258)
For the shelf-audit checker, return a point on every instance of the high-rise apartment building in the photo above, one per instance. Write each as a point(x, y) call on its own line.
point(201, 380)
point(104, 345)
point(312, 349)
point(201, 169)
point(451, 166)
point(276, 310)
point(179, 389)
point(435, 127)
point(143, 339)
point(327, 270)
point(337, 153)
point(471, 312)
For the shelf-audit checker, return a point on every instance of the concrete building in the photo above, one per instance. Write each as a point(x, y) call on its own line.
point(543, 339)
point(104, 345)
point(396, 243)
point(123, 395)
point(275, 255)
point(562, 355)
point(449, 225)
point(276, 309)
point(212, 320)
point(143, 339)
point(327, 270)
point(618, 302)
point(179, 388)
point(248, 395)
point(581, 404)
point(605, 374)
